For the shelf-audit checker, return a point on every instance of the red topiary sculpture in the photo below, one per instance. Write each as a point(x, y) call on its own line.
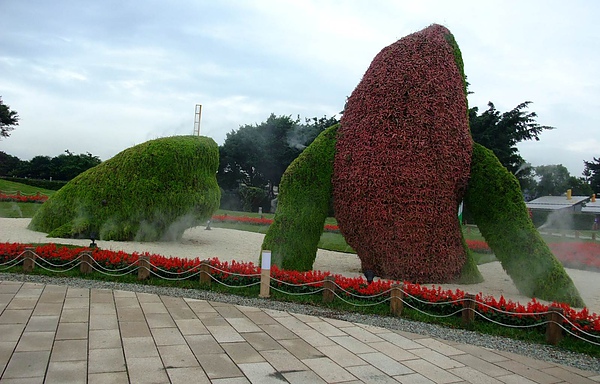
point(402, 160)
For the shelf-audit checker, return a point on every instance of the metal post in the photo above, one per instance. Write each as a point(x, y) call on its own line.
point(197, 116)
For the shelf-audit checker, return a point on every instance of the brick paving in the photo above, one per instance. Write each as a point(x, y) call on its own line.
point(58, 334)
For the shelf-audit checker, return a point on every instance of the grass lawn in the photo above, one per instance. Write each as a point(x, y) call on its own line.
point(11, 187)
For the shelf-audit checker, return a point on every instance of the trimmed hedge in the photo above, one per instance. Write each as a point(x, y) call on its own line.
point(303, 204)
point(402, 161)
point(53, 185)
point(153, 191)
point(495, 201)
point(568, 220)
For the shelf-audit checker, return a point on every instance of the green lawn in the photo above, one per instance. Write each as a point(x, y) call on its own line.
point(11, 187)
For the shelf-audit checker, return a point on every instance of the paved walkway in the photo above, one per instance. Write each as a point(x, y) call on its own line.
point(56, 334)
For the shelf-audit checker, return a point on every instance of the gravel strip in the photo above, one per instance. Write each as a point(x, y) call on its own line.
point(535, 351)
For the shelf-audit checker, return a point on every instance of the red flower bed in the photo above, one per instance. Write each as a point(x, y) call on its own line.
point(584, 255)
point(37, 198)
point(580, 255)
point(243, 273)
point(260, 221)
point(242, 219)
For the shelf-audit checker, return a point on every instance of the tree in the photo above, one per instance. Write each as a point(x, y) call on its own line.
point(8, 164)
point(62, 167)
point(553, 180)
point(68, 165)
point(579, 186)
point(501, 132)
point(591, 172)
point(8, 119)
point(257, 155)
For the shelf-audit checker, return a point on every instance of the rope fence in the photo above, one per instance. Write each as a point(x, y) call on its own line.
point(556, 323)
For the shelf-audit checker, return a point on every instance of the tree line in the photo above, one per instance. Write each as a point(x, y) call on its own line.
point(254, 157)
point(63, 167)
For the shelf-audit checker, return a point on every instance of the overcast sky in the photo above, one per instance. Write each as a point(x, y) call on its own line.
point(102, 76)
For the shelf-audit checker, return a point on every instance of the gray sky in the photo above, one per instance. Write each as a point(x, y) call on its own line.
point(102, 76)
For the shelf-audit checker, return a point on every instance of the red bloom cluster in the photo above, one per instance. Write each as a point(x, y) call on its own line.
point(242, 219)
point(243, 273)
point(20, 198)
point(584, 255)
point(260, 221)
point(405, 131)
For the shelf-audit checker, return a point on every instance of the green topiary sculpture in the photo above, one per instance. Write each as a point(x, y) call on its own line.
point(402, 160)
point(303, 205)
point(494, 199)
point(153, 191)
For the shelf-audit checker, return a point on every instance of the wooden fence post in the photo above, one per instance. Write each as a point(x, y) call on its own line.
point(329, 289)
point(205, 278)
point(468, 312)
point(593, 235)
point(265, 274)
point(85, 263)
point(143, 268)
point(553, 329)
point(29, 260)
point(396, 304)
point(577, 234)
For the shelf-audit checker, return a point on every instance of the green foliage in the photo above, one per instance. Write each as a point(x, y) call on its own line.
point(592, 174)
point(153, 191)
point(49, 186)
point(303, 204)
point(554, 180)
point(457, 57)
point(8, 119)
point(257, 155)
point(8, 163)
point(501, 132)
point(251, 197)
point(62, 167)
point(11, 185)
point(495, 201)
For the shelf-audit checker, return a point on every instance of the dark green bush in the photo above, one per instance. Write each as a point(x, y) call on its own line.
point(495, 201)
point(54, 185)
point(153, 191)
point(303, 204)
point(568, 221)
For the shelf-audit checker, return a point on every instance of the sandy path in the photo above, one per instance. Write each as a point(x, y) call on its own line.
point(227, 245)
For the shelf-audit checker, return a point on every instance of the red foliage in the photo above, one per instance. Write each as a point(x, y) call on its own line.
point(246, 272)
point(260, 221)
point(403, 160)
point(18, 197)
point(580, 255)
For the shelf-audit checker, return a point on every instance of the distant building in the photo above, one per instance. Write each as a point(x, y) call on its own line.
point(556, 203)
